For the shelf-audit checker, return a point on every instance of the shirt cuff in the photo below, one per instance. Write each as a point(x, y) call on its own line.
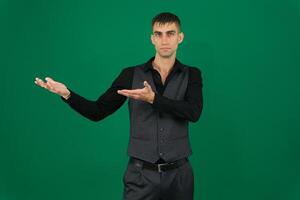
point(70, 99)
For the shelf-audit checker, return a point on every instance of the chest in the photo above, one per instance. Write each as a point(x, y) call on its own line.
point(161, 80)
point(172, 86)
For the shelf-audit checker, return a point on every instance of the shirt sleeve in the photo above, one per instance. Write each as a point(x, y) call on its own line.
point(191, 107)
point(107, 103)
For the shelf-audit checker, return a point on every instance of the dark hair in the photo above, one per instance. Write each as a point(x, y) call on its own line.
point(166, 18)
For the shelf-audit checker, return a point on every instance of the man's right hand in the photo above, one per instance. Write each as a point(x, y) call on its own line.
point(53, 86)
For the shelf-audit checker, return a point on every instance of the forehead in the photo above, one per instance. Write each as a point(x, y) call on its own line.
point(164, 27)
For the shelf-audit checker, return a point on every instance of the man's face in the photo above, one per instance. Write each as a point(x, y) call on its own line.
point(165, 38)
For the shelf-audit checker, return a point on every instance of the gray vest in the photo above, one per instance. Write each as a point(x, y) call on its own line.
point(155, 134)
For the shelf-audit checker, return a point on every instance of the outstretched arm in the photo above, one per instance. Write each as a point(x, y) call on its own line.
point(97, 110)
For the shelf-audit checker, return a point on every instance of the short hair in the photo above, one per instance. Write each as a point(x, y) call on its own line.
point(166, 18)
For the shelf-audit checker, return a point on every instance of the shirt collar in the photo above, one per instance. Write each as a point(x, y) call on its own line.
point(177, 65)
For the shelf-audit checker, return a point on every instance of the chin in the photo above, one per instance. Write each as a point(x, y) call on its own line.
point(166, 55)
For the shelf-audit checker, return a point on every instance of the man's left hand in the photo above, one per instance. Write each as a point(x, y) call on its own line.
point(144, 94)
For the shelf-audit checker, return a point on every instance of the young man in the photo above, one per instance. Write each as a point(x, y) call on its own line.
point(164, 95)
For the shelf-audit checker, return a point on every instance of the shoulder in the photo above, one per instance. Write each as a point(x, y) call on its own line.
point(193, 70)
point(130, 69)
point(195, 74)
point(127, 69)
point(127, 73)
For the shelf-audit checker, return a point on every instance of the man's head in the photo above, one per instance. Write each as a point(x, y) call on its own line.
point(166, 34)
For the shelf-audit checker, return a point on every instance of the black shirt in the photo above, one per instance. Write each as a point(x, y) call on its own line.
point(190, 108)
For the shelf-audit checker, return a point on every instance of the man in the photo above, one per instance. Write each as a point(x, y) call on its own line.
point(164, 95)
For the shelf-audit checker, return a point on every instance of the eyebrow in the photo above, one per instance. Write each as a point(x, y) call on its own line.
point(171, 31)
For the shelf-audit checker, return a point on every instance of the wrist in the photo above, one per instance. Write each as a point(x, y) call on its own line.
point(67, 95)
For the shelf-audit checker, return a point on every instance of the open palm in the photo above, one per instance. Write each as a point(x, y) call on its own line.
point(53, 86)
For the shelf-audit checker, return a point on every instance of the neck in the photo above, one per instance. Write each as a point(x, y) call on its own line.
point(164, 64)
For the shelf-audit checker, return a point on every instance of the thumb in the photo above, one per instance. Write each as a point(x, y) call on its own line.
point(146, 84)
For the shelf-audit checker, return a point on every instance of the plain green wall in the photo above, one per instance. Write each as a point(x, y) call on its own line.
point(246, 144)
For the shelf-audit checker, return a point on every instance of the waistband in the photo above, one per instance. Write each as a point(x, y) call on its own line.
point(158, 167)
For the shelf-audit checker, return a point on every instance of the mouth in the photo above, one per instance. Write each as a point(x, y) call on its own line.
point(165, 48)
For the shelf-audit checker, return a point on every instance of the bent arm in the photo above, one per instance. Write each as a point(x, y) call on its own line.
point(191, 107)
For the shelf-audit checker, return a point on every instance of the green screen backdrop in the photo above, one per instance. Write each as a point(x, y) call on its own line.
point(246, 145)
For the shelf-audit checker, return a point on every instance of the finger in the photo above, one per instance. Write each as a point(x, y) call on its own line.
point(123, 93)
point(49, 79)
point(49, 86)
point(131, 92)
point(40, 82)
point(133, 96)
point(125, 90)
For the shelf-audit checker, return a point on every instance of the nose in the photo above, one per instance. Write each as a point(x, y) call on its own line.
point(164, 39)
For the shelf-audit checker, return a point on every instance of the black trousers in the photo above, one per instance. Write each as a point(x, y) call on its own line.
point(145, 184)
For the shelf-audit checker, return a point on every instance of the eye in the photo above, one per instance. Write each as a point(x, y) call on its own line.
point(171, 33)
point(157, 34)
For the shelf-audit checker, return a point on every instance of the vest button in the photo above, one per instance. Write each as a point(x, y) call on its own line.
point(161, 129)
point(160, 153)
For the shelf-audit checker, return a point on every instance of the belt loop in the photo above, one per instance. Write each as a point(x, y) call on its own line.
point(138, 163)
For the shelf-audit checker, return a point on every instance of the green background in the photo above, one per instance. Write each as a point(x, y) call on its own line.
point(246, 145)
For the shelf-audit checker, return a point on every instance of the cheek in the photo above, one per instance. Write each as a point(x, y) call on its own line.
point(175, 43)
point(156, 44)
point(154, 41)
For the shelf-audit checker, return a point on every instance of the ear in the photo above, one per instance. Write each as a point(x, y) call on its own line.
point(181, 37)
point(152, 39)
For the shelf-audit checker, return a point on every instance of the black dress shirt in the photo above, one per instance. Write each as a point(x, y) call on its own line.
point(190, 108)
